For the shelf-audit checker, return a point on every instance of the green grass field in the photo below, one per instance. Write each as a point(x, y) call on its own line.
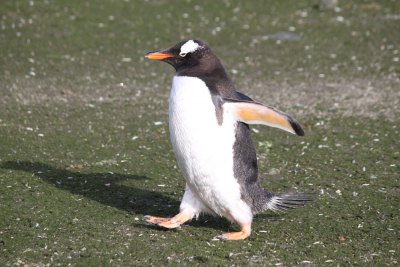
point(84, 144)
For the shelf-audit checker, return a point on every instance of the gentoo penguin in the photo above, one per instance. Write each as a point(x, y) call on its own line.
point(208, 123)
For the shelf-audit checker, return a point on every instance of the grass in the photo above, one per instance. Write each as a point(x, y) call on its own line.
point(82, 159)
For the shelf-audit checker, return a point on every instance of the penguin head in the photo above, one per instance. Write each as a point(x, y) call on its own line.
point(187, 54)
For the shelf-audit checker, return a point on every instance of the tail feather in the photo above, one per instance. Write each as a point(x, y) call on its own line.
point(287, 202)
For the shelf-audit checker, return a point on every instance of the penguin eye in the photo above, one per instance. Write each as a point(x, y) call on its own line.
point(182, 54)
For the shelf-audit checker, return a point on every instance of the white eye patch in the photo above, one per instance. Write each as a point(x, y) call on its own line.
point(189, 47)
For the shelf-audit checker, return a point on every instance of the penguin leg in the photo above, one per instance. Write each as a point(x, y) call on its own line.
point(239, 213)
point(189, 208)
point(243, 234)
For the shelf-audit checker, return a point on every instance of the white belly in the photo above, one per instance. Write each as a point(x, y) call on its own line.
point(203, 148)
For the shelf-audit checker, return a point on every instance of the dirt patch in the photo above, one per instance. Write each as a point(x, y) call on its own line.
point(367, 98)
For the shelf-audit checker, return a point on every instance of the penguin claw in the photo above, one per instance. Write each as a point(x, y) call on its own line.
point(220, 238)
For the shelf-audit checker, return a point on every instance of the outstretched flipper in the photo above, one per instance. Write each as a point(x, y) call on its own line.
point(255, 113)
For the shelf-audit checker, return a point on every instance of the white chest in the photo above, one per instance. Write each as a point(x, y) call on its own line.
point(204, 149)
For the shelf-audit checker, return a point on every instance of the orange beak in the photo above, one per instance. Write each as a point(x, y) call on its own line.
point(158, 55)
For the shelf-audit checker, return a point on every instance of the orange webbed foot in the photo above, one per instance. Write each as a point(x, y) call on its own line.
point(155, 220)
point(169, 223)
point(243, 234)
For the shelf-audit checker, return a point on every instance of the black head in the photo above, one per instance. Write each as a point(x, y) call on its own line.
point(187, 56)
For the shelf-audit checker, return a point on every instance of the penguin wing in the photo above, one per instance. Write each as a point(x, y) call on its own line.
point(244, 97)
point(251, 112)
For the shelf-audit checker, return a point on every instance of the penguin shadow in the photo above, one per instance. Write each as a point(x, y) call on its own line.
point(105, 188)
